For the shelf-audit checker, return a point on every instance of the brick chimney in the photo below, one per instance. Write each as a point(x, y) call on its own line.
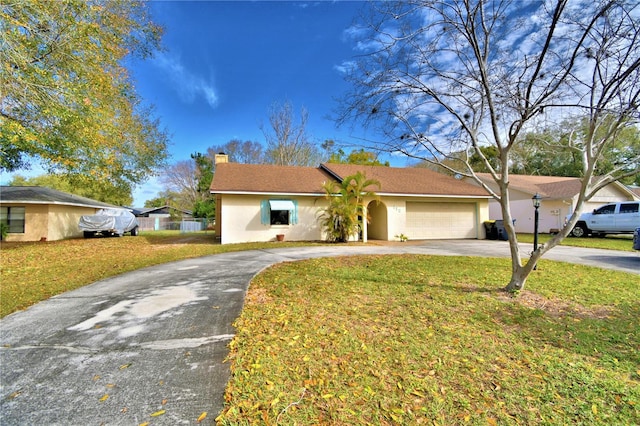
point(220, 158)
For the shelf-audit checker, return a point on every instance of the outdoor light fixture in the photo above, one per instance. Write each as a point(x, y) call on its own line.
point(536, 204)
point(536, 200)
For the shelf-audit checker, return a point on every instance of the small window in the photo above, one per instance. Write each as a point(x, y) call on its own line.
point(279, 217)
point(608, 209)
point(14, 218)
point(629, 208)
point(279, 212)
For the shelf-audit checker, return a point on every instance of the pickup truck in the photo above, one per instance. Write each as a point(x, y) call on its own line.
point(109, 222)
point(614, 218)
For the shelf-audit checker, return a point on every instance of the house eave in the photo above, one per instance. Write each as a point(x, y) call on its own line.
point(393, 194)
point(288, 194)
point(381, 194)
point(59, 203)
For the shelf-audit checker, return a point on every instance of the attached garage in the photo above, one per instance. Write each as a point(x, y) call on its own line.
point(441, 220)
point(412, 202)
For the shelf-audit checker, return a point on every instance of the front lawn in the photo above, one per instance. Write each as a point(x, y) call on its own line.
point(622, 242)
point(413, 339)
point(32, 272)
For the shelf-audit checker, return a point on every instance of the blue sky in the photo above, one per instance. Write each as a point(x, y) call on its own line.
point(226, 62)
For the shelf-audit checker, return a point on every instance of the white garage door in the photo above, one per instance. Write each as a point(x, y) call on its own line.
point(441, 220)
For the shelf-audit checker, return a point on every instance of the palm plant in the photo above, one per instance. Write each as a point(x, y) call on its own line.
point(341, 218)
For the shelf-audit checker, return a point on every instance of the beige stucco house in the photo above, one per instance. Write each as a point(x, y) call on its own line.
point(36, 213)
point(258, 202)
point(559, 196)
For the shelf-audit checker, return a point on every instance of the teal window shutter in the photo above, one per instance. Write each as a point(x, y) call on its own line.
point(294, 213)
point(265, 213)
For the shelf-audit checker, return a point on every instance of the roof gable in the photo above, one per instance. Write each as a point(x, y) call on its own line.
point(409, 180)
point(43, 195)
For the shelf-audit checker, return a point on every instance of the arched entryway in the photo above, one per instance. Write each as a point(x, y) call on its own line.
point(377, 227)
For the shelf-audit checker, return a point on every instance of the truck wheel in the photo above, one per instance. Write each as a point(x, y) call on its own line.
point(134, 232)
point(88, 234)
point(580, 230)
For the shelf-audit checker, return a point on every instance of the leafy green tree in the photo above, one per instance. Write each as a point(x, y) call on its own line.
point(156, 202)
point(361, 157)
point(165, 198)
point(66, 99)
point(342, 218)
point(83, 186)
point(557, 151)
point(205, 206)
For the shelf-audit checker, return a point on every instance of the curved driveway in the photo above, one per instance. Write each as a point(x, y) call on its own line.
point(148, 346)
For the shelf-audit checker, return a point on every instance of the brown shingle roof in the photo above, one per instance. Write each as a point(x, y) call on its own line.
point(262, 178)
point(410, 181)
point(253, 178)
point(546, 186)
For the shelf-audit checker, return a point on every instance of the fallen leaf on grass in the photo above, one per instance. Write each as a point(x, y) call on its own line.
point(202, 417)
point(123, 366)
point(164, 401)
point(104, 398)
point(158, 413)
point(15, 394)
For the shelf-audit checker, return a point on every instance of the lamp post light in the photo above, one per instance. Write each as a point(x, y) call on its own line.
point(536, 204)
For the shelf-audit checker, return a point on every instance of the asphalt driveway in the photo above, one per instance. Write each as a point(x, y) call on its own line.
point(148, 346)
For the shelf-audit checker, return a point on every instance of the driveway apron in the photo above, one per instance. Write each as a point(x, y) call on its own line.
point(149, 345)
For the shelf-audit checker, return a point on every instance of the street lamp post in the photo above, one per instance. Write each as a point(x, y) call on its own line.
point(536, 204)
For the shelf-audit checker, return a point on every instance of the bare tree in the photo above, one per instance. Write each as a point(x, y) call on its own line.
point(180, 178)
point(287, 142)
point(246, 152)
point(440, 78)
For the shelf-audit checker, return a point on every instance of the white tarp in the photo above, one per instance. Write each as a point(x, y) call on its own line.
point(109, 220)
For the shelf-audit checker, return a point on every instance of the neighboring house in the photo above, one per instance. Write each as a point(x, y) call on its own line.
point(559, 197)
point(157, 218)
point(258, 202)
point(36, 213)
point(163, 211)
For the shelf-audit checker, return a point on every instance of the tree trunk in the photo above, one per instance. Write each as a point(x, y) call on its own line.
point(518, 279)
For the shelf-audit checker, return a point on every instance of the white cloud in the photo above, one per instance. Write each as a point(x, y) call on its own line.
point(345, 67)
point(189, 86)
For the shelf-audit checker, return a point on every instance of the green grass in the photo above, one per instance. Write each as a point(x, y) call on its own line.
point(32, 272)
point(610, 242)
point(413, 339)
point(395, 339)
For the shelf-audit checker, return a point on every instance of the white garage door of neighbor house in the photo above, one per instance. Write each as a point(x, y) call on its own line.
point(441, 220)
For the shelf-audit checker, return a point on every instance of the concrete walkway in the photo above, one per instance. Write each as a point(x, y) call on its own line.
point(153, 341)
